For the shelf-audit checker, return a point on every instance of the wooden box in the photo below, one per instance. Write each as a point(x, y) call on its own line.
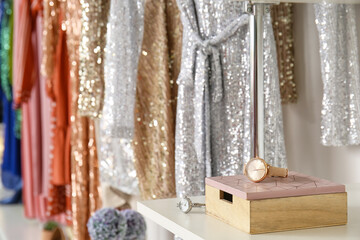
point(276, 204)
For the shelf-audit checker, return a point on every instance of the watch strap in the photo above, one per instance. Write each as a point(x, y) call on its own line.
point(198, 204)
point(277, 172)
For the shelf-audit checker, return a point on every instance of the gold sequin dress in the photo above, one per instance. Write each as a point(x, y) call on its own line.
point(282, 21)
point(91, 67)
point(156, 91)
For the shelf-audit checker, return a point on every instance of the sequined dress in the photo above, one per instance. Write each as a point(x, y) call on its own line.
point(282, 22)
point(340, 69)
point(84, 159)
point(155, 109)
point(55, 70)
point(213, 111)
point(91, 67)
point(123, 43)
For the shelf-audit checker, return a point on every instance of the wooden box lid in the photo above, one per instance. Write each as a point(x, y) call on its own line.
point(295, 184)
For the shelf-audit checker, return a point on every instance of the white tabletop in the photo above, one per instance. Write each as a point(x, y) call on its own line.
point(196, 225)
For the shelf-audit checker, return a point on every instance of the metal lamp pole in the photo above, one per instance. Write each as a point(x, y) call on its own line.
point(256, 12)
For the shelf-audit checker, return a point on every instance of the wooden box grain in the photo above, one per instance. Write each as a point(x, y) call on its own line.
point(276, 204)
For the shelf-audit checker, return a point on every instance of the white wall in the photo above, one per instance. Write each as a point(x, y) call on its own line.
point(302, 120)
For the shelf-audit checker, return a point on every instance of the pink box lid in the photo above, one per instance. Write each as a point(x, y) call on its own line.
point(296, 184)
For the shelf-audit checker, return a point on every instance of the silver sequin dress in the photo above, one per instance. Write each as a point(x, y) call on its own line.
point(339, 54)
point(213, 112)
point(124, 37)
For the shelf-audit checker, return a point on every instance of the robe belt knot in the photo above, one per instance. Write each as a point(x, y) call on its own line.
point(210, 51)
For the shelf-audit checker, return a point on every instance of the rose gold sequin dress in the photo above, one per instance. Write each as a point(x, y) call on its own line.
point(84, 161)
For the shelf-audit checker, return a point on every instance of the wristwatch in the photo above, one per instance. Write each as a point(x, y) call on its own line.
point(185, 204)
point(257, 170)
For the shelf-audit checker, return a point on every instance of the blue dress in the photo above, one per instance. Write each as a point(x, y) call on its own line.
point(11, 164)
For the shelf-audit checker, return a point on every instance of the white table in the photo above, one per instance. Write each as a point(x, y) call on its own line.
point(196, 225)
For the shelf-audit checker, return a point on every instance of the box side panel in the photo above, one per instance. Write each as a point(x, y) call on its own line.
point(280, 214)
point(235, 213)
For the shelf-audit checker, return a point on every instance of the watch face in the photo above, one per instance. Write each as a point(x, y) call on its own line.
point(256, 169)
point(185, 205)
